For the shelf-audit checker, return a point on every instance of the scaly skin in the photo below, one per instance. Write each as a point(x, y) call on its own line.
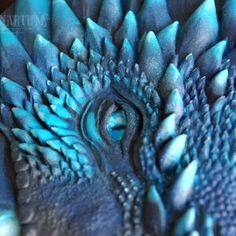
point(118, 118)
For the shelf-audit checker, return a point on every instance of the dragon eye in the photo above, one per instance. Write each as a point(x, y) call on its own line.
point(116, 125)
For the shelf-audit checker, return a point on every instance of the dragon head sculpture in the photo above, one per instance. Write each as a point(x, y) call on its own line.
point(118, 118)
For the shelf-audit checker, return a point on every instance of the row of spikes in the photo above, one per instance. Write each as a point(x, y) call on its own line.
point(157, 214)
point(157, 49)
point(153, 15)
point(78, 51)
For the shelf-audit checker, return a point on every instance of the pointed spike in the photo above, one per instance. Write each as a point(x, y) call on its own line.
point(35, 96)
point(211, 61)
point(109, 49)
point(57, 75)
point(182, 189)
point(73, 75)
point(54, 100)
point(45, 54)
point(66, 62)
point(97, 86)
point(126, 52)
point(186, 223)
point(22, 135)
point(218, 84)
point(36, 77)
point(30, 148)
point(25, 119)
point(11, 52)
point(167, 39)
point(166, 130)
point(63, 132)
point(128, 30)
point(66, 27)
point(48, 118)
point(202, 22)
point(151, 60)
point(61, 111)
point(56, 144)
point(228, 20)
point(78, 51)
point(170, 81)
point(70, 140)
point(51, 157)
point(218, 104)
point(110, 14)
point(37, 12)
point(172, 152)
point(77, 93)
point(175, 104)
point(42, 135)
point(8, 92)
point(95, 35)
point(153, 15)
point(68, 99)
point(154, 213)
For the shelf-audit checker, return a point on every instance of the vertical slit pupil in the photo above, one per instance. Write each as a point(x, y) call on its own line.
point(116, 125)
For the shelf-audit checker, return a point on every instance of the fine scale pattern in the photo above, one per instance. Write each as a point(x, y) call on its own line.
point(117, 117)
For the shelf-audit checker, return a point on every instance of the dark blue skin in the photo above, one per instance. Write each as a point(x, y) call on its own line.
point(118, 118)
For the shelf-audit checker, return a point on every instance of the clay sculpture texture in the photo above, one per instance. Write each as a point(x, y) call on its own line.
point(117, 118)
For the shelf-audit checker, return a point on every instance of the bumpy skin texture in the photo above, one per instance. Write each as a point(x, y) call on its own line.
point(118, 118)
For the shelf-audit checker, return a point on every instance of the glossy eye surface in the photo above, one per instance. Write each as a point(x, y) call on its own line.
point(116, 125)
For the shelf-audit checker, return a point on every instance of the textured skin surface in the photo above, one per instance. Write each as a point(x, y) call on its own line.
point(118, 118)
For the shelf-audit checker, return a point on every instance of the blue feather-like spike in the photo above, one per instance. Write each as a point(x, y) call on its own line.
point(175, 104)
point(95, 35)
point(79, 51)
point(25, 119)
point(168, 39)
point(186, 223)
point(45, 54)
point(65, 31)
point(218, 84)
point(211, 61)
point(166, 130)
point(8, 90)
point(151, 59)
point(128, 29)
point(126, 52)
point(12, 48)
point(36, 77)
point(183, 187)
point(170, 81)
point(202, 22)
point(154, 212)
point(172, 152)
